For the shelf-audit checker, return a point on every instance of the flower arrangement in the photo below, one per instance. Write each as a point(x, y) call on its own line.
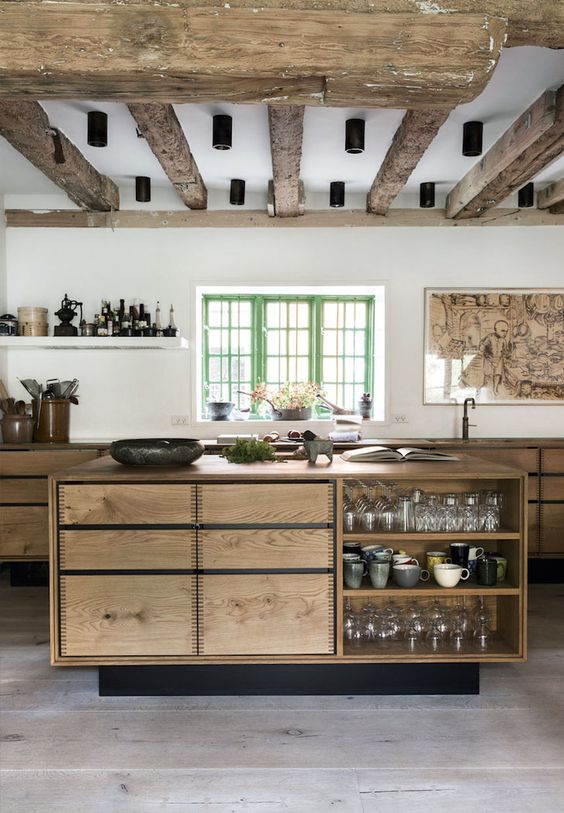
point(296, 395)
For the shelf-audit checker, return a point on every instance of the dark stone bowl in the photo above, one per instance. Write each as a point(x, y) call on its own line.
point(157, 451)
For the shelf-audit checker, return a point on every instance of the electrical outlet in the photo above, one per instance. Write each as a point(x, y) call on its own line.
point(180, 420)
point(400, 419)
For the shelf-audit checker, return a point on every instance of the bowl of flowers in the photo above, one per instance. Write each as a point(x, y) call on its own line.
point(292, 402)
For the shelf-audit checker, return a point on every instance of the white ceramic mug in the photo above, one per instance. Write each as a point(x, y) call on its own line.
point(403, 559)
point(449, 575)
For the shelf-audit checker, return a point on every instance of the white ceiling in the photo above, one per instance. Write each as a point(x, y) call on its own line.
point(521, 76)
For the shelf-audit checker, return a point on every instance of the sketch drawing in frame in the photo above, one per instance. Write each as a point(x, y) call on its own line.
point(499, 346)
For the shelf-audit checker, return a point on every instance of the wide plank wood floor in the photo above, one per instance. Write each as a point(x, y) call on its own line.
point(65, 749)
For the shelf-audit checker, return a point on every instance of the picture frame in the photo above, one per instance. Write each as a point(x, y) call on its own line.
point(498, 345)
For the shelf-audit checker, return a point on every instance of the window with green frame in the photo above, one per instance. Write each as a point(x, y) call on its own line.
point(247, 339)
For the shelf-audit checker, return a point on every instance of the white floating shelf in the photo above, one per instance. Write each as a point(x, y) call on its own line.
point(93, 343)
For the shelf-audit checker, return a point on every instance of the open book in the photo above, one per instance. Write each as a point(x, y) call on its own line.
point(377, 454)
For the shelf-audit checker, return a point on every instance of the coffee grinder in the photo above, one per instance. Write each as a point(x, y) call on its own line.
point(66, 314)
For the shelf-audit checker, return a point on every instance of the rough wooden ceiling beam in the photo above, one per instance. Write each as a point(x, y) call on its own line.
point(416, 131)
point(26, 126)
point(533, 141)
point(286, 124)
point(168, 53)
point(530, 22)
point(357, 218)
point(552, 197)
point(159, 125)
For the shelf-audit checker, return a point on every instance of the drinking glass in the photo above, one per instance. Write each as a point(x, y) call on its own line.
point(468, 512)
point(387, 511)
point(405, 518)
point(489, 519)
point(450, 521)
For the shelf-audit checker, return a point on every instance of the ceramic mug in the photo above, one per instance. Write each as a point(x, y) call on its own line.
point(403, 559)
point(487, 571)
point(351, 557)
point(473, 555)
point(459, 552)
point(436, 557)
point(371, 551)
point(352, 547)
point(353, 573)
point(379, 573)
point(409, 575)
point(501, 567)
point(448, 575)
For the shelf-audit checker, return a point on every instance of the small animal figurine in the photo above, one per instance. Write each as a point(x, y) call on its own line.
point(318, 446)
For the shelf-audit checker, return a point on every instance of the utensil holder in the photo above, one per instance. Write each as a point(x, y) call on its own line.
point(17, 428)
point(54, 421)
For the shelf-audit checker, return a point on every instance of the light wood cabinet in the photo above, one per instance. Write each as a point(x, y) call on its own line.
point(170, 549)
point(23, 532)
point(24, 529)
point(264, 503)
point(266, 549)
point(266, 614)
point(126, 504)
point(140, 615)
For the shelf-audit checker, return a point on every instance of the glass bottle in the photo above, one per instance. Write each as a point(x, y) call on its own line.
point(158, 325)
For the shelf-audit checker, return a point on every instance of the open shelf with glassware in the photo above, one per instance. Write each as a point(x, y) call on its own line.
point(427, 621)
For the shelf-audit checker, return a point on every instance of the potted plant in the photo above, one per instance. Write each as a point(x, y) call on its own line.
point(292, 402)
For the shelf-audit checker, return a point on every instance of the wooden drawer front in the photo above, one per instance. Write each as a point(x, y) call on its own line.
point(42, 462)
point(128, 615)
point(24, 532)
point(23, 491)
point(533, 529)
point(552, 529)
point(269, 503)
point(127, 550)
point(552, 461)
point(125, 504)
point(533, 488)
point(552, 488)
point(272, 614)
point(524, 459)
point(265, 548)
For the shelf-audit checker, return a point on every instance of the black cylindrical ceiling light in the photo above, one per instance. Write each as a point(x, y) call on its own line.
point(427, 195)
point(237, 192)
point(472, 133)
point(526, 196)
point(97, 129)
point(354, 136)
point(222, 132)
point(142, 189)
point(337, 194)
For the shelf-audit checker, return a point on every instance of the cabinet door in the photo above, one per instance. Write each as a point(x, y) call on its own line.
point(126, 504)
point(265, 548)
point(24, 532)
point(43, 462)
point(266, 503)
point(128, 615)
point(552, 461)
point(266, 614)
point(168, 549)
point(552, 528)
point(23, 490)
point(533, 529)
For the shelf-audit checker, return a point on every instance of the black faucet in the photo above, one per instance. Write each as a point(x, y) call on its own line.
point(465, 418)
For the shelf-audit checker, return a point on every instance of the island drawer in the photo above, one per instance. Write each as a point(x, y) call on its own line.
point(265, 548)
point(128, 615)
point(265, 614)
point(265, 503)
point(127, 504)
point(127, 550)
point(42, 462)
point(24, 532)
point(23, 490)
point(552, 461)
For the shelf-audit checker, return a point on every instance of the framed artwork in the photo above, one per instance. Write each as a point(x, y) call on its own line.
point(499, 346)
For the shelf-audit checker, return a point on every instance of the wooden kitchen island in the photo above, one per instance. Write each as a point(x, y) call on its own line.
point(214, 565)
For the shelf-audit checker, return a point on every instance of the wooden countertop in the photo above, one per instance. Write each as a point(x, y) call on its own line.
point(458, 443)
point(212, 467)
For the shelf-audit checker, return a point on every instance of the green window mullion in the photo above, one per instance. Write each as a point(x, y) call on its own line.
point(316, 339)
point(369, 347)
point(206, 367)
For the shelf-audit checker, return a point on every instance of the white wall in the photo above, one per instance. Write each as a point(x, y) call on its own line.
point(3, 281)
point(135, 393)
